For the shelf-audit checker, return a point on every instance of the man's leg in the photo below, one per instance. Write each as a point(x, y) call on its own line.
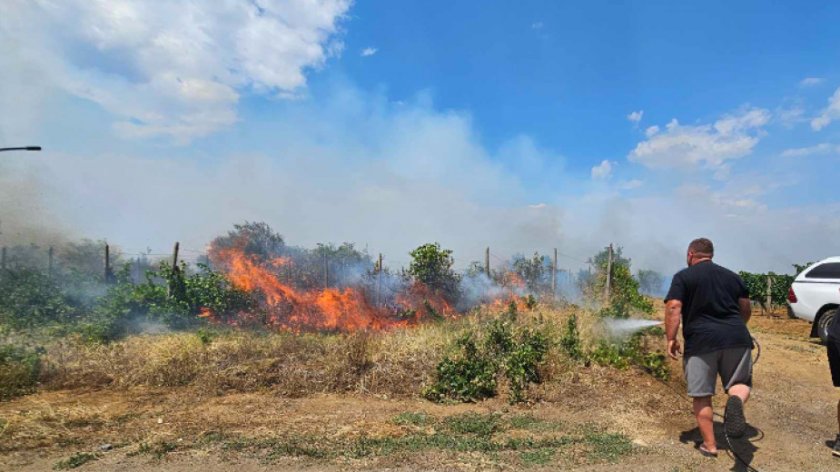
point(700, 376)
point(833, 348)
point(741, 391)
point(736, 375)
point(704, 415)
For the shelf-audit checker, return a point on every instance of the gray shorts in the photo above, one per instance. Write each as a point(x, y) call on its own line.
point(701, 371)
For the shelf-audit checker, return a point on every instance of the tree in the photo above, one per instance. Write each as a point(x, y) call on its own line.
point(475, 269)
point(650, 282)
point(254, 239)
point(533, 271)
point(624, 289)
point(432, 266)
point(346, 264)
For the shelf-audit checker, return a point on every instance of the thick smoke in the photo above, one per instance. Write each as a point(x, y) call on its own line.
point(354, 167)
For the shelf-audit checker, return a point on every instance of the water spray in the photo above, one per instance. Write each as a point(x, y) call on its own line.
point(619, 328)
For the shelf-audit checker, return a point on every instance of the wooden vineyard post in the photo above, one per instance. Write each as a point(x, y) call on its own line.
point(379, 281)
point(174, 283)
point(3, 259)
point(326, 272)
point(769, 293)
point(175, 256)
point(487, 262)
point(554, 275)
point(107, 264)
point(50, 265)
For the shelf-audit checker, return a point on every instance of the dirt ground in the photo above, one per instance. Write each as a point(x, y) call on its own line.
point(792, 414)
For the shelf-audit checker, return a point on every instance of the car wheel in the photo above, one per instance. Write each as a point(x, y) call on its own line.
point(825, 321)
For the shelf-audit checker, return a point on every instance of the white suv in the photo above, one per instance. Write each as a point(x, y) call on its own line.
point(815, 295)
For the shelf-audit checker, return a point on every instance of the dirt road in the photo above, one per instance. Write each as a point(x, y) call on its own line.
point(792, 412)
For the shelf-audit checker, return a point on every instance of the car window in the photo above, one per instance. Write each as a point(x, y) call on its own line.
point(829, 270)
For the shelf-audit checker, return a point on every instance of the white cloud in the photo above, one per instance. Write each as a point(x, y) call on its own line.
point(811, 81)
point(709, 145)
point(830, 113)
point(537, 25)
point(173, 68)
point(651, 130)
point(347, 166)
point(790, 115)
point(602, 170)
point(367, 52)
point(636, 116)
point(818, 149)
point(630, 184)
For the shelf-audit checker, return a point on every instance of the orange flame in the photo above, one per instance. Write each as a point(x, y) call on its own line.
point(331, 309)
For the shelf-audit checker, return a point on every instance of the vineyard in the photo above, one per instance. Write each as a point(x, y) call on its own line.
point(256, 316)
point(770, 290)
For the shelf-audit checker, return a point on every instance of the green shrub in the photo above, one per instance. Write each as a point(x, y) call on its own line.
point(522, 364)
point(167, 297)
point(530, 301)
point(570, 342)
point(623, 354)
point(30, 298)
point(19, 370)
point(615, 353)
point(432, 266)
point(471, 373)
point(468, 376)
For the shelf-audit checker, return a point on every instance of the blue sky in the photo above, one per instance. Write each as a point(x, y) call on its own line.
point(526, 127)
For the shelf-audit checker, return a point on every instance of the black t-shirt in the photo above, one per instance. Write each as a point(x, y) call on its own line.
point(711, 316)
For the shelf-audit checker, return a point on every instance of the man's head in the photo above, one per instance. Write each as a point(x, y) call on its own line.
point(699, 250)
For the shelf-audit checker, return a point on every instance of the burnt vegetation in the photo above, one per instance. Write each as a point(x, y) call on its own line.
point(257, 313)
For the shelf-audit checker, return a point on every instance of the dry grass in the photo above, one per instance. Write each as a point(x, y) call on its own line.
point(397, 362)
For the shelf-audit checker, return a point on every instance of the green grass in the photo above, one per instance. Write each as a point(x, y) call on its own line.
point(474, 423)
point(608, 446)
point(76, 460)
point(158, 449)
point(415, 418)
point(531, 423)
point(537, 457)
point(474, 433)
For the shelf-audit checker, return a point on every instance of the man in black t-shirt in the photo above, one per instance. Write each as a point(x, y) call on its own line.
point(833, 346)
point(714, 305)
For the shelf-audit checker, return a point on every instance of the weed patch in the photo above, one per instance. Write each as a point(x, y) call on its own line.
point(158, 449)
point(76, 460)
point(474, 423)
point(538, 457)
point(411, 418)
point(608, 446)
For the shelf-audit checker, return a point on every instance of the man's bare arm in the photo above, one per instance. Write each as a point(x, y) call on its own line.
point(745, 306)
point(673, 313)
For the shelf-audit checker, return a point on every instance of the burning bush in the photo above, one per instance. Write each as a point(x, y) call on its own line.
point(432, 266)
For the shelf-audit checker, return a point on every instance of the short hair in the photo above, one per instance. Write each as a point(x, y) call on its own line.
point(702, 246)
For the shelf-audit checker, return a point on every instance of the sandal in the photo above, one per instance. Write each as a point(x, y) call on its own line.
point(706, 452)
